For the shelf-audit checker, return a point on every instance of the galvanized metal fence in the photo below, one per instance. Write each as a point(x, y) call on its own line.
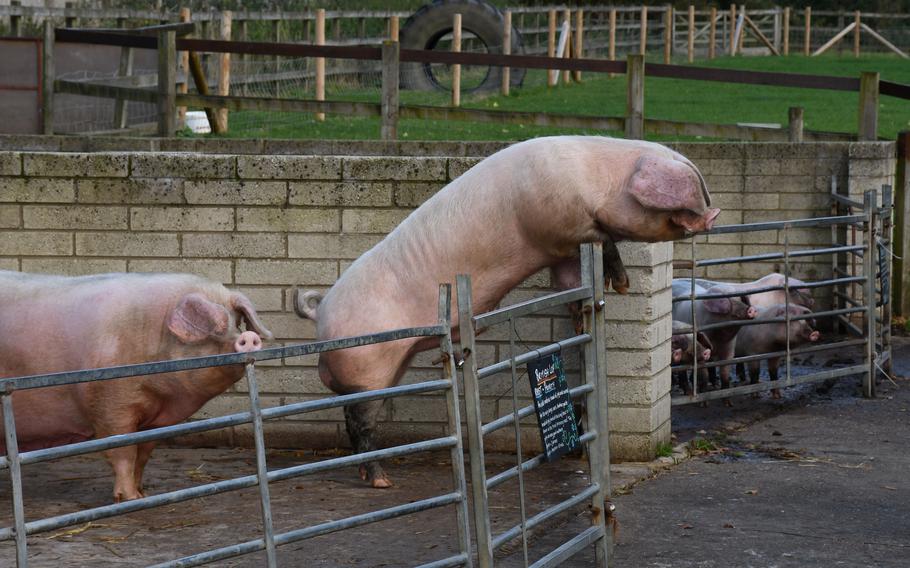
point(270, 540)
point(593, 389)
point(861, 258)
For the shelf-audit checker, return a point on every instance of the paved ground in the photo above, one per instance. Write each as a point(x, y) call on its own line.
point(821, 480)
point(818, 479)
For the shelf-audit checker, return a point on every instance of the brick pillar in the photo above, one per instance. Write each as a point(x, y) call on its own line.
point(638, 353)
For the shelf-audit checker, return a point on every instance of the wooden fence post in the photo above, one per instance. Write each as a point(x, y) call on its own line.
point(795, 123)
point(856, 31)
point(712, 34)
point(167, 82)
point(390, 54)
point(868, 106)
point(807, 38)
point(691, 36)
point(635, 97)
point(786, 31)
point(643, 48)
point(612, 42)
point(393, 28)
point(551, 45)
point(579, 40)
point(15, 20)
point(183, 65)
point(243, 35)
point(741, 28)
point(276, 34)
point(668, 34)
point(456, 68)
point(47, 79)
point(567, 49)
point(320, 61)
point(506, 50)
point(125, 69)
point(224, 75)
point(732, 29)
point(900, 288)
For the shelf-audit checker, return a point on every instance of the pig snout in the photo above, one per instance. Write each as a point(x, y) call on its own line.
point(751, 312)
point(247, 342)
point(814, 336)
point(711, 217)
point(706, 354)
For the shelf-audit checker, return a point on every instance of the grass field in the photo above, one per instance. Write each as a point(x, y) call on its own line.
point(670, 99)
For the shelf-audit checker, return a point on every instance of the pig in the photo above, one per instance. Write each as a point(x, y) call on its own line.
point(713, 311)
point(527, 207)
point(684, 350)
point(772, 337)
point(799, 295)
point(51, 324)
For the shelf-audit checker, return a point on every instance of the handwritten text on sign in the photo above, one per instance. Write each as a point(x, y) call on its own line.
point(553, 406)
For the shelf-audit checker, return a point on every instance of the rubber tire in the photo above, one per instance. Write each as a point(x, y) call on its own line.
point(432, 21)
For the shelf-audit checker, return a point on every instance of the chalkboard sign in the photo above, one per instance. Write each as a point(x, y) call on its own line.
point(553, 405)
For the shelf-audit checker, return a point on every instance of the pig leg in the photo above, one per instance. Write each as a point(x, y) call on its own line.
point(754, 375)
point(123, 462)
point(614, 271)
point(143, 453)
point(361, 424)
point(772, 372)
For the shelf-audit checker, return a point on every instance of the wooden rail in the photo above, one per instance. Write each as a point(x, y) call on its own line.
point(634, 123)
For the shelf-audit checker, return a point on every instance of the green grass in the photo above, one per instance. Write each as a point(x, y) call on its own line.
point(598, 95)
point(664, 450)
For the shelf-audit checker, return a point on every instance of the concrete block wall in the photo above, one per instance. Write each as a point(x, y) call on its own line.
point(266, 223)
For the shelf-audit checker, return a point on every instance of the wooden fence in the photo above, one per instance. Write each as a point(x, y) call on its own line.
point(607, 29)
point(634, 123)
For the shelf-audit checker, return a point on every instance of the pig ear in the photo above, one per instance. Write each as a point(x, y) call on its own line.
point(244, 306)
point(195, 318)
point(667, 184)
point(719, 305)
point(677, 355)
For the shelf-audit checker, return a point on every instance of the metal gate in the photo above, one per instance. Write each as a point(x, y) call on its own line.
point(270, 540)
point(860, 263)
point(594, 390)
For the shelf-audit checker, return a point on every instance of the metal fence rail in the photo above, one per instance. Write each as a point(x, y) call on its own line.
point(873, 332)
point(263, 477)
point(595, 437)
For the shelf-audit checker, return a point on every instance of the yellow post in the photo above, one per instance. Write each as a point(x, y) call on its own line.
point(579, 40)
point(224, 76)
point(506, 50)
point(320, 61)
point(456, 68)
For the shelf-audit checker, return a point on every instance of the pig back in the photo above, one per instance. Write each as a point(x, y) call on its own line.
point(55, 323)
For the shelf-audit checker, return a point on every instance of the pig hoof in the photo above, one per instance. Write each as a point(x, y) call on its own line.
point(363, 473)
point(727, 403)
point(382, 482)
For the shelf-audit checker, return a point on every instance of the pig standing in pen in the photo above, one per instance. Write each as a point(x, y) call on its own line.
point(771, 337)
point(711, 311)
point(51, 324)
point(527, 207)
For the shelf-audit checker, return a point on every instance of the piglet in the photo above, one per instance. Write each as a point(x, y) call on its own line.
point(686, 349)
point(51, 324)
point(771, 337)
point(525, 208)
point(710, 311)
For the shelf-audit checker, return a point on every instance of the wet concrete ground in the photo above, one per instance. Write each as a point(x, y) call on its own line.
point(816, 479)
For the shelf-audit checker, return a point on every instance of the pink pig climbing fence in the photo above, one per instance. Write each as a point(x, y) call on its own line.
point(860, 308)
